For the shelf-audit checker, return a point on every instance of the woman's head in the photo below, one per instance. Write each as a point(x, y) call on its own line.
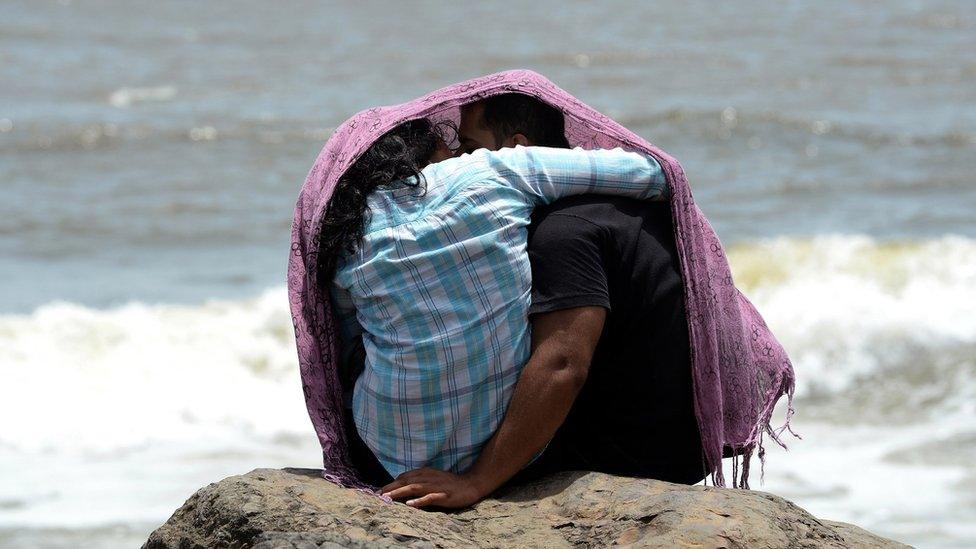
point(399, 155)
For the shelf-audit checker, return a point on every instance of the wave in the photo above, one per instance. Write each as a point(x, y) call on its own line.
point(96, 136)
point(126, 97)
point(103, 380)
point(755, 126)
point(878, 331)
point(728, 121)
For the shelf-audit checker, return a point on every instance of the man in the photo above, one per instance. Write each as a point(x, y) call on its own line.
point(433, 280)
point(608, 385)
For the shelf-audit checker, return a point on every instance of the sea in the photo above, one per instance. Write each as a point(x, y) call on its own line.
point(151, 154)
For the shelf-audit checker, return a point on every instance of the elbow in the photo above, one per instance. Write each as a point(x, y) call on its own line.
point(571, 370)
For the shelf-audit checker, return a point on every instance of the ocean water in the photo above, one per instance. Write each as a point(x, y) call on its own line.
point(151, 154)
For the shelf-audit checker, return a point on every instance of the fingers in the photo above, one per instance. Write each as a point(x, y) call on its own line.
point(435, 498)
point(405, 479)
point(392, 486)
point(410, 490)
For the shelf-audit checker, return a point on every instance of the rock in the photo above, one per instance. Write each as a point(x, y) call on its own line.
point(297, 509)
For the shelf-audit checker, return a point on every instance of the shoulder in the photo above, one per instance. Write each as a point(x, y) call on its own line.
point(603, 210)
point(589, 209)
point(590, 206)
point(566, 224)
point(596, 216)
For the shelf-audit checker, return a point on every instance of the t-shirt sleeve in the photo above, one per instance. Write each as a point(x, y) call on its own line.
point(566, 254)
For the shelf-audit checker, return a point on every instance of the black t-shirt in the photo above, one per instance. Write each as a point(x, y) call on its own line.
point(620, 254)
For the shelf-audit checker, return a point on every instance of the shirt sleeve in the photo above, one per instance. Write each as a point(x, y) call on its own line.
point(566, 254)
point(547, 174)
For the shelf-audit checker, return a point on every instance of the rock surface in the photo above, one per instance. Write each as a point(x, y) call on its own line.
point(296, 508)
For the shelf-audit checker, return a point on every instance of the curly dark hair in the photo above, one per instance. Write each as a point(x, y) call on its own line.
point(397, 156)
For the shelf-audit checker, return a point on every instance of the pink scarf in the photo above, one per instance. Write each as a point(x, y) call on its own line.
point(738, 368)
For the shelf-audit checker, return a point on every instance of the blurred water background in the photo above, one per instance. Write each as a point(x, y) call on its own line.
point(151, 154)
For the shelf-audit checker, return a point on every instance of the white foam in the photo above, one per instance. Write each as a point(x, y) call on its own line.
point(848, 306)
point(126, 97)
point(75, 378)
point(843, 474)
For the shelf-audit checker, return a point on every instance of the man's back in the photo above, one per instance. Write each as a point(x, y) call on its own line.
point(620, 254)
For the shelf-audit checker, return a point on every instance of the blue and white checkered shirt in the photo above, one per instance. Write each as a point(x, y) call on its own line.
point(438, 294)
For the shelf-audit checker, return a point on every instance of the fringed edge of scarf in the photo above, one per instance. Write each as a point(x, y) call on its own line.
point(785, 385)
point(346, 477)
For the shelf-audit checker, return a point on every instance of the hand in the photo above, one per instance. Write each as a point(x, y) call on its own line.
point(437, 488)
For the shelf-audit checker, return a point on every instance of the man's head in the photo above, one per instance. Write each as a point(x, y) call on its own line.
point(511, 119)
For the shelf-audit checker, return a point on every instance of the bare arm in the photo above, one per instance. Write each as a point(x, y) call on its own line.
point(562, 348)
point(563, 343)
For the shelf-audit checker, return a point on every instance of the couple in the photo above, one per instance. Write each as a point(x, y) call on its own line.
point(474, 347)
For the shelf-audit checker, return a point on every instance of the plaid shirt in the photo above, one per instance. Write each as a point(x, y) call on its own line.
point(437, 295)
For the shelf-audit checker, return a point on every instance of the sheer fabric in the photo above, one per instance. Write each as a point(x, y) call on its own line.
point(739, 369)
